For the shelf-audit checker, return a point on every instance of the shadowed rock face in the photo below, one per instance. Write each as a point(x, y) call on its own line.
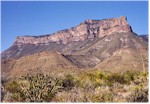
point(144, 37)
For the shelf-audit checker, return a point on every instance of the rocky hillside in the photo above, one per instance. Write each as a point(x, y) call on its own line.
point(108, 44)
point(85, 32)
point(34, 63)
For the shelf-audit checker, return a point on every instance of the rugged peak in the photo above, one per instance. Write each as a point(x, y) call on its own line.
point(90, 21)
point(123, 17)
point(88, 29)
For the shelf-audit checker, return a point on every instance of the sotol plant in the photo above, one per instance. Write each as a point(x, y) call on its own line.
point(34, 88)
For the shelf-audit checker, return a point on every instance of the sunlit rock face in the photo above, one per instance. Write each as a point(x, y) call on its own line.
point(88, 29)
point(107, 44)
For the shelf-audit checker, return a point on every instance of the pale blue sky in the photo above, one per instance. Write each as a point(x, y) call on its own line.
point(36, 18)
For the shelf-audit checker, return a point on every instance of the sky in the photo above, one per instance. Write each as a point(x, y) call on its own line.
point(37, 18)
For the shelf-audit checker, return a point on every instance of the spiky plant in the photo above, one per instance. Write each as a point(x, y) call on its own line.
point(42, 87)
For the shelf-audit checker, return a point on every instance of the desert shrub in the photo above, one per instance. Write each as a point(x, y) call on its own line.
point(114, 77)
point(144, 74)
point(42, 88)
point(16, 96)
point(97, 83)
point(101, 74)
point(91, 76)
point(78, 82)
point(139, 94)
point(81, 80)
point(122, 78)
point(73, 95)
point(86, 80)
point(103, 97)
point(33, 88)
point(69, 77)
point(108, 97)
point(68, 82)
point(48, 97)
point(88, 86)
point(12, 87)
point(130, 76)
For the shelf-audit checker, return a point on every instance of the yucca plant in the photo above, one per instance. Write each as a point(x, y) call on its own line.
point(42, 88)
point(33, 88)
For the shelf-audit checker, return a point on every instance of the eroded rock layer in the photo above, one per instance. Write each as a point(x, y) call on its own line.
point(107, 44)
point(88, 29)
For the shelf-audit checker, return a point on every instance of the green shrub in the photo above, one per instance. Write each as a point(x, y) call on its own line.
point(101, 75)
point(91, 76)
point(68, 82)
point(78, 83)
point(42, 88)
point(12, 87)
point(108, 97)
point(114, 77)
point(69, 77)
point(33, 88)
point(130, 76)
point(144, 74)
point(103, 97)
point(90, 86)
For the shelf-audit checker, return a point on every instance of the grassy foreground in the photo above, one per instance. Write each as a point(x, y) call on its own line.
point(87, 86)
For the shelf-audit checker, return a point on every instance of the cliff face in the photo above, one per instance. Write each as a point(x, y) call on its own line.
point(78, 39)
point(107, 44)
point(88, 29)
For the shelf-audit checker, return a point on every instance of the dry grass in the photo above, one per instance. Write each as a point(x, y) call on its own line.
point(86, 86)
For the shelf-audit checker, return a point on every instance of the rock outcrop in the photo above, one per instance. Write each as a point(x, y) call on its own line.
point(88, 29)
point(107, 44)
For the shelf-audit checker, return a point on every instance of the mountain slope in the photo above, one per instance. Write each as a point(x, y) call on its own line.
point(43, 62)
point(125, 59)
point(108, 44)
point(106, 47)
point(86, 32)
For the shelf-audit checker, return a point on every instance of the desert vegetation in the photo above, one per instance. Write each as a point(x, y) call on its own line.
point(86, 86)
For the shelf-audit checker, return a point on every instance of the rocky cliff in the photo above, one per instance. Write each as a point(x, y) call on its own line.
point(88, 29)
point(107, 44)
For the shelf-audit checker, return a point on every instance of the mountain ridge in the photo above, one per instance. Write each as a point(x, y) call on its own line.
point(85, 26)
point(88, 30)
point(108, 44)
